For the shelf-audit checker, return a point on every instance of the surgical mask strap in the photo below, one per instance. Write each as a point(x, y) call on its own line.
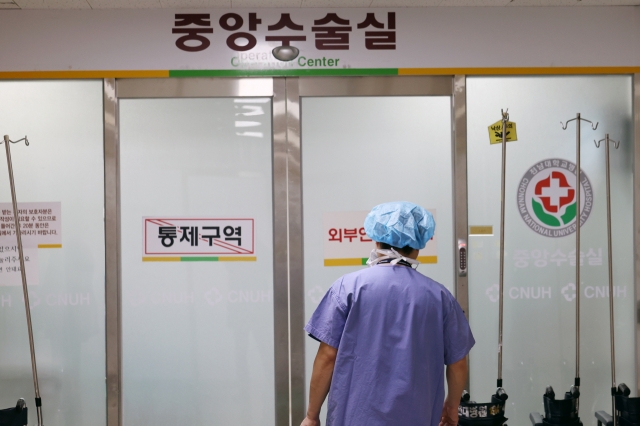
point(374, 258)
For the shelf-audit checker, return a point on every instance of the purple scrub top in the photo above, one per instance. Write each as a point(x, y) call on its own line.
point(395, 330)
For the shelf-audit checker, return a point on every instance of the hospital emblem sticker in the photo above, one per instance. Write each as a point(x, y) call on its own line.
point(547, 198)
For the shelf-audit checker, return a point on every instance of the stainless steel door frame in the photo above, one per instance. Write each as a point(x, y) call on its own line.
point(296, 253)
point(454, 87)
point(147, 88)
point(636, 215)
point(112, 254)
point(196, 88)
point(376, 86)
point(460, 211)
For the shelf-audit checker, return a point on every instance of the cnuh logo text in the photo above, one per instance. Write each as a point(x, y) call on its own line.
point(493, 293)
point(602, 292)
point(568, 292)
point(530, 292)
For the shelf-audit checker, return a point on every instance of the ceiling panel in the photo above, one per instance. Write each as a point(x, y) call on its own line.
point(266, 3)
point(195, 4)
point(544, 3)
point(609, 3)
point(405, 3)
point(474, 3)
point(31, 4)
point(335, 3)
point(53, 4)
point(574, 3)
point(125, 4)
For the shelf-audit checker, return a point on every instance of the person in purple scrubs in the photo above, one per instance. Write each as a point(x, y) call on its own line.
point(386, 334)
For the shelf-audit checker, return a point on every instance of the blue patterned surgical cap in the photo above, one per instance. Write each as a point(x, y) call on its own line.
point(400, 224)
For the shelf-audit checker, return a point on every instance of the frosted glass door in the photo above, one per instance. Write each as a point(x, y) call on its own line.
point(63, 166)
point(358, 152)
point(539, 298)
point(197, 323)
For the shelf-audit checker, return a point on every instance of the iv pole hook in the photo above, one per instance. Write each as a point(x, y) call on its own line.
point(566, 123)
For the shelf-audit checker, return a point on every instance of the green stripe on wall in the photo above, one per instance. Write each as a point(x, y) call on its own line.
point(285, 73)
point(198, 259)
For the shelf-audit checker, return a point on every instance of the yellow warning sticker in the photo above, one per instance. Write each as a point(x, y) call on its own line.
point(481, 230)
point(495, 132)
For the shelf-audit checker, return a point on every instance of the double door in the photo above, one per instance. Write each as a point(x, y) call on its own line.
point(286, 170)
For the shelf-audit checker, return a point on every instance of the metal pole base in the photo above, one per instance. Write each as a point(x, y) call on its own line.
point(627, 409)
point(16, 416)
point(561, 412)
point(471, 413)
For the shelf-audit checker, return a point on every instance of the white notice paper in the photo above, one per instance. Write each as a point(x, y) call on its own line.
point(40, 224)
point(10, 274)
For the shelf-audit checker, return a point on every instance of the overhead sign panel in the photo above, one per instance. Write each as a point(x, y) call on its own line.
point(339, 41)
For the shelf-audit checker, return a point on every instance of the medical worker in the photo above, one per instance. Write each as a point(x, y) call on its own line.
point(387, 332)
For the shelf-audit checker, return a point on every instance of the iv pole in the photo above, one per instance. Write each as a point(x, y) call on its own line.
point(505, 120)
point(471, 412)
point(607, 140)
point(7, 142)
point(578, 121)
